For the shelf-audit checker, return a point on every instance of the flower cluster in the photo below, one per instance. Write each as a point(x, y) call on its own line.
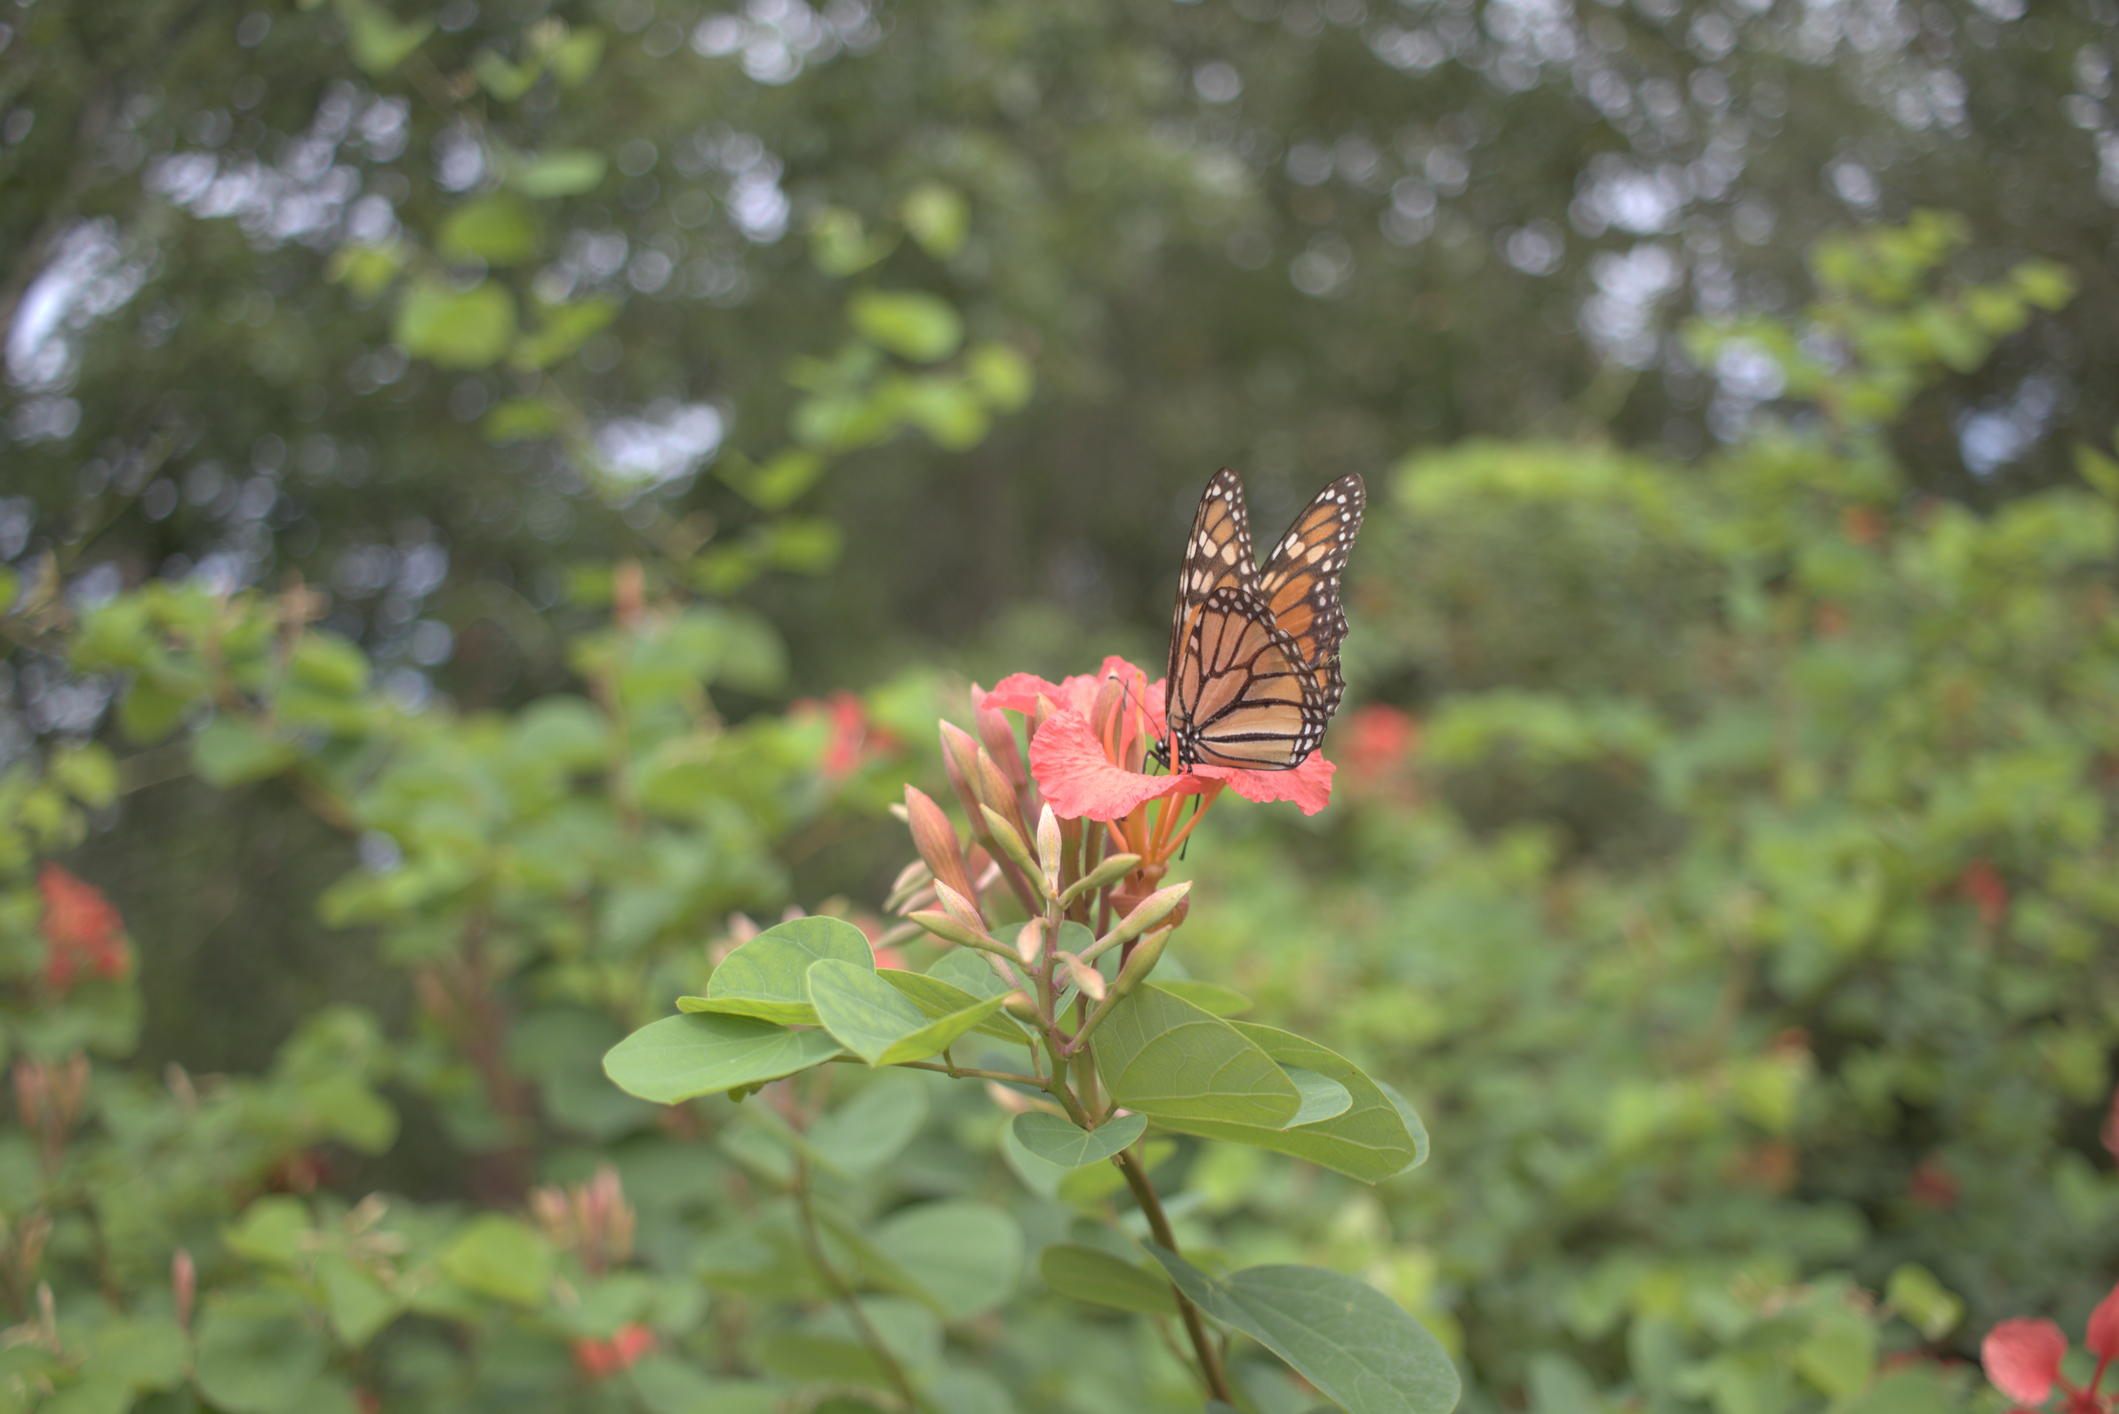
point(2022, 1357)
point(82, 932)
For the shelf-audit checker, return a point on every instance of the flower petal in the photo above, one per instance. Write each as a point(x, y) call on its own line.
point(2022, 1358)
point(1308, 785)
point(2103, 1337)
point(1080, 782)
point(1019, 692)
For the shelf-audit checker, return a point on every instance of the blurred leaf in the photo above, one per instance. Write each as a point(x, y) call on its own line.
point(229, 751)
point(1924, 1301)
point(376, 40)
point(938, 217)
point(505, 81)
point(498, 229)
point(256, 1353)
point(355, 1301)
point(1001, 375)
point(842, 246)
point(501, 1258)
point(366, 270)
point(864, 1133)
point(916, 326)
point(1087, 1274)
point(573, 60)
point(968, 1256)
point(555, 173)
point(519, 419)
point(1356, 1345)
point(562, 329)
point(456, 329)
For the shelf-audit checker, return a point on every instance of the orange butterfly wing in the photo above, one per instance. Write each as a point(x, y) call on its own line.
point(1300, 583)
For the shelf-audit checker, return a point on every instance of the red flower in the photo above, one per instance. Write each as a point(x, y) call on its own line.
point(81, 929)
point(852, 740)
point(2022, 1357)
point(1989, 892)
point(1087, 755)
point(598, 1358)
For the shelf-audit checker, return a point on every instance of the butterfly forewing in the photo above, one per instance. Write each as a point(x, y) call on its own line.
point(1217, 556)
point(1254, 657)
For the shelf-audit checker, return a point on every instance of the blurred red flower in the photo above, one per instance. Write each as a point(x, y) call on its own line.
point(599, 1358)
point(82, 931)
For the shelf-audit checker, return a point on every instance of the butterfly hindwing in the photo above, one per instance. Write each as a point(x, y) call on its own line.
point(1254, 656)
point(1242, 696)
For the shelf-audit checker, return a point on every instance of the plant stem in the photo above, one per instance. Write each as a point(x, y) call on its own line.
point(813, 1244)
point(1211, 1373)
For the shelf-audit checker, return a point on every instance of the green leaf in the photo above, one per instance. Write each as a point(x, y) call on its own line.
point(916, 326)
point(1323, 1098)
point(559, 172)
point(519, 419)
point(501, 1258)
point(671, 1386)
point(271, 1231)
point(1924, 1301)
point(867, 1131)
point(1839, 1354)
point(95, 1391)
point(1357, 1346)
point(680, 1057)
point(499, 229)
point(877, 1021)
point(144, 1352)
point(378, 42)
point(505, 81)
point(938, 217)
point(575, 58)
point(356, 1302)
point(1001, 375)
point(939, 1000)
point(1377, 1136)
point(768, 976)
point(967, 1256)
point(1223, 1001)
point(1087, 1274)
point(1174, 1062)
point(827, 1347)
point(230, 751)
point(256, 1353)
point(1056, 1141)
point(561, 329)
point(459, 329)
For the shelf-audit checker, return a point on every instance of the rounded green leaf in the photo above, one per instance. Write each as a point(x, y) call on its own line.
point(456, 328)
point(1323, 1098)
point(1056, 1141)
point(1087, 1274)
point(499, 229)
point(967, 1256)
point(1172, 1061)
point(680, 1057)
point(501, 1258)
point(768, 976)
point(1356, 1345)
point(256, 1353)
point(560, 172)
point(869, 1130)
point(912, 325)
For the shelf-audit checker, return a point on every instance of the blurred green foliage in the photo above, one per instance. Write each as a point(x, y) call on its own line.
point(439, 440)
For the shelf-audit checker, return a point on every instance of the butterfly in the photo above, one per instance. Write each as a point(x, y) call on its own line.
point(1254, 654)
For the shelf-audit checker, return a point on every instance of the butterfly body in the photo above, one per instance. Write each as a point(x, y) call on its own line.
point(1254, 654)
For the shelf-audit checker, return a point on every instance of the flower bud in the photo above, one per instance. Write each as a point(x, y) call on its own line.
point(948, 929)
point(936, 840)
point(1115, 866)
point(1142, 962)
point(962, 909)
point(994, 790)
point(183, 1284)
point(1152, 910)
point(1048, 848)
point(1000, 742)
point(1082, 975)
point(1011, 844)
point(960, 759)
